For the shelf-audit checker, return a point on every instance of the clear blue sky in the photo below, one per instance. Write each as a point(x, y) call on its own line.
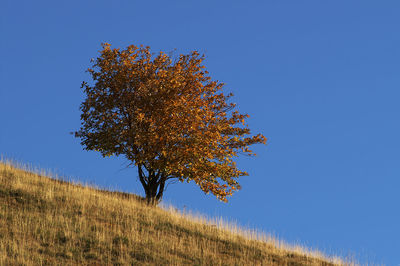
point(320, 79)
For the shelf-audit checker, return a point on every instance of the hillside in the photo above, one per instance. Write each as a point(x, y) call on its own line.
point(44, 221)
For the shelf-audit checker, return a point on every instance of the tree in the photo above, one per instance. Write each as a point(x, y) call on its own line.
point(167, 117)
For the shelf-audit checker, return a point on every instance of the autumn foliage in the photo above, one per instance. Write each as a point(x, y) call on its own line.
point(167, 117)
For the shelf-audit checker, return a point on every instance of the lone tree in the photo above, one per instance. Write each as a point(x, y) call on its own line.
point(167, 117)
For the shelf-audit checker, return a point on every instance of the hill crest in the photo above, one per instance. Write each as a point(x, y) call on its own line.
point(45, 221)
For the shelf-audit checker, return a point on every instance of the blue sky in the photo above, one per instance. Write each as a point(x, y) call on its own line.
point(320, 79)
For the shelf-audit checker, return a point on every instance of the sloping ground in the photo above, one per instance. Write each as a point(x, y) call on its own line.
point(48, 222)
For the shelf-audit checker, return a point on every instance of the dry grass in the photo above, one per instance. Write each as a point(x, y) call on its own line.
point(48, 222)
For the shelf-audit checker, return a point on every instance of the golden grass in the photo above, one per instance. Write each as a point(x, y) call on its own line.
point(44, 221)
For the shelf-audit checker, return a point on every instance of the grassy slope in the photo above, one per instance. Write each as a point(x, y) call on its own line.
point(47, 222)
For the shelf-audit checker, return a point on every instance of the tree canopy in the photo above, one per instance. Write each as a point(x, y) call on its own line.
point(167, 117)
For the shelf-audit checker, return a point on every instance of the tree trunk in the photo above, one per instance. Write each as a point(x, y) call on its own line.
point(153, 184)
point(151, 194)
